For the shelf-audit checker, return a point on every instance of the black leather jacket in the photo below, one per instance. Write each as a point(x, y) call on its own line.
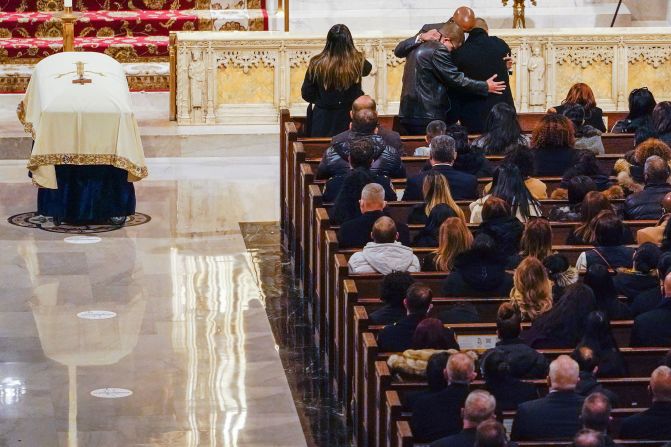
point(429, 71)
point(386, 159)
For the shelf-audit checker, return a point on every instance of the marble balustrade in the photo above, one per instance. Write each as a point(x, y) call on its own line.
point(238, 78)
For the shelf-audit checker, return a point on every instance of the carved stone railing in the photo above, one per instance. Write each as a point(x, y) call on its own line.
point(245, 78)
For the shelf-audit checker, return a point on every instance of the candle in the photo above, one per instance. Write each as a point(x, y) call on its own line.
point(67, 3)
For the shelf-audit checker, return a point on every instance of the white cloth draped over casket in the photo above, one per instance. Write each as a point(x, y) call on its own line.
point(80, 124)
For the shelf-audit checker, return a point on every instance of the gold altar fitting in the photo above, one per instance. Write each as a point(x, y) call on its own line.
point(68, 19)
point(519, 19)
point(81, 80)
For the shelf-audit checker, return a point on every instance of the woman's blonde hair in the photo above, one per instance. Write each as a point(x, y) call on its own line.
point(532, 290)
point(340, 65)
point(436, 191)
point(454, 238)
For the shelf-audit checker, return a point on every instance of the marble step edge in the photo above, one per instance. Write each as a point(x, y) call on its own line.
point(150, 76)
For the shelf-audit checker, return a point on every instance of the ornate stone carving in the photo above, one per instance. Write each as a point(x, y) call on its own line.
point(536, 67)
point(300, 57)
point(655, 55)
point(584, 56)
point(247, 59)
point(392, 60)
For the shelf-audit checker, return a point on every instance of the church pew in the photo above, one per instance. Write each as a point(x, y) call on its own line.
point(404, 437)
point(632, 390)
point(290, 160)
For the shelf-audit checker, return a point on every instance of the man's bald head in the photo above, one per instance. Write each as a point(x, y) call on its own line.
point(363, 102)
point(655, 170)
point(667, 286)
point(364, 121)
point(372, 198)
point(660, 384)
point(481, 23)
point(589, 438)
point(564, 373)
point(490, 433)
point(666, 203)
point(384, 231)
point(595, 413)
point(479, 406)
point(464, 17)
point(454, 33)
point(460, 369)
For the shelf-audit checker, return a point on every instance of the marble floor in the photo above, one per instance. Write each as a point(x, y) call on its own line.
point(171, 333)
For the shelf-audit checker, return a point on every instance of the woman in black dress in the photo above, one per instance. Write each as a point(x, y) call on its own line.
point(332, 83)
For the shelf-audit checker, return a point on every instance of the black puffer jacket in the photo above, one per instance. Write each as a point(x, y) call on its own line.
point(646, 204)
point(386, 159)
point(473, 162)
point(506, 232)
point(477, 273)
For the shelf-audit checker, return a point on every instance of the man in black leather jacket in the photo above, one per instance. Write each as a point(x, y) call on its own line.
point(429, 71)
point(647, 204)
point(386, 159)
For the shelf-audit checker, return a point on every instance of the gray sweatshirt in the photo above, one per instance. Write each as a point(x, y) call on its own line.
point(384, 258)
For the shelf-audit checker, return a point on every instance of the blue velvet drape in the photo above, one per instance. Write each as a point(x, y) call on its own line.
point(88, 193)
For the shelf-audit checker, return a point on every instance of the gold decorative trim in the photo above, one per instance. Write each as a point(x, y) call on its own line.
point(139, 172)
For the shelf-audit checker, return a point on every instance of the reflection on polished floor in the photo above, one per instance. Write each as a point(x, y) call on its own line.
point(186, 333)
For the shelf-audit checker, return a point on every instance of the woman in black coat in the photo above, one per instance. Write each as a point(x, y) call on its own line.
point(641, 104)
point(508, 390)
point(607, 301)
point(553, 143)
point(599, 338)
point(582, 94)
point(332, 83)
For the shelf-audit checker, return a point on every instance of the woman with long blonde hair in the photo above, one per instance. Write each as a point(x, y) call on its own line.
point(436, 191)
point(532, 289)
point(332, 83)
point(454, 238)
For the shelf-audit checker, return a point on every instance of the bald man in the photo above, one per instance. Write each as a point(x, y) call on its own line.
point(656, 234)
point(655, 422)
point(429, 74)
point(437, 415)
point(479, 407)
point(653, 328)
point(478, 58)
point(646, 204)
point(390, 137)
point(385, 254)
point(557, 415)
point(356, 232)
point(463, 16)
point(589, 438)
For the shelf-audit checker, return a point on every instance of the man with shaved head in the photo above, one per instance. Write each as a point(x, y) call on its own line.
point(390, 137)
point(479, 407)
point(356, 233)
point(653, 328)
point(646, 204)
point(655, 422)
point(429, 74)
point(557, 415)
point(656, 234)
point(438, 415)
point(478, 58)
point(385, 254)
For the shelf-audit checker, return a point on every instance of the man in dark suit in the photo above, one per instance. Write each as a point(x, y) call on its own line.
point(557, 415)
point(397, 337)
point(492, 433)
point(437, 415)
point(390, 137)
point(478, 58)
point(655, 422)
point(588, 362)
point(355, 233)
point(652, 328)
point(428, 74)
point(595, 416)
point(463, 186)
point(479, 407)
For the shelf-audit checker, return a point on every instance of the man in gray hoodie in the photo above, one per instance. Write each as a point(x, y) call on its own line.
point(385, 254)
